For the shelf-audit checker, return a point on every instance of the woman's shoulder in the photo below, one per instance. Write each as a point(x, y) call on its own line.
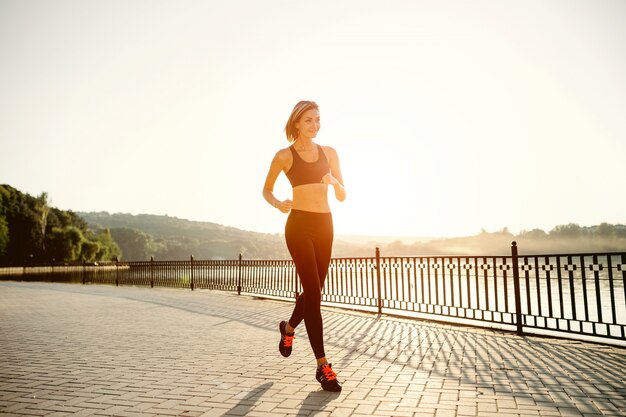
point(329, 151)
point(284, 152)
point(284, 155)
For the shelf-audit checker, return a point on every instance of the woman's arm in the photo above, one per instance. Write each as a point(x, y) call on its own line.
point(334, 177)
point(278, 164)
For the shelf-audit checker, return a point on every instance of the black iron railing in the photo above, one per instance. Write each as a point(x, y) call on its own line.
point(581, 295)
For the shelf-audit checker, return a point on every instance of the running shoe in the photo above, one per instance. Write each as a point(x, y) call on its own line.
point(328, 378)
point(286, 339)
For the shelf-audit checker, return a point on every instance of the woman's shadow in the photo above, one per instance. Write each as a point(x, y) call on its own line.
point(316, 401)
point(246, 403)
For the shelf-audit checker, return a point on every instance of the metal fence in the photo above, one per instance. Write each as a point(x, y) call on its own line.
point(571, 295)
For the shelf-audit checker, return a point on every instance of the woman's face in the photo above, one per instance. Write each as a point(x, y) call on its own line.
point(309, 124)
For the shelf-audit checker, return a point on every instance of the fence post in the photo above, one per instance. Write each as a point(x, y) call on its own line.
point(239, 275)
point(378, 286)
point(151, 271)
point(117, 278)
point(191, 284)
point(518, 297)
point(84, 271)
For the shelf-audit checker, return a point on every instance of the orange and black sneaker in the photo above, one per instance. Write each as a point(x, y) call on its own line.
point(286, 339)
point(328, 378)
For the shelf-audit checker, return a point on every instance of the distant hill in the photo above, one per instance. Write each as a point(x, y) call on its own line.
point(170, 238)
point(163, 226)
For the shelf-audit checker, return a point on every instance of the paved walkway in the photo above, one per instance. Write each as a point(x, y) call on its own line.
point(124, 351)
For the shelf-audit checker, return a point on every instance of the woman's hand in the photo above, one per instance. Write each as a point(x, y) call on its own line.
point(328, 179)
point(340, 192)
point(284, 206)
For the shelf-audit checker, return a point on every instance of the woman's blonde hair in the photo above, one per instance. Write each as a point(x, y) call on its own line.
point(296, 114)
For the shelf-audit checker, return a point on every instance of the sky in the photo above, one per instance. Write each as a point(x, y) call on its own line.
point(449, 117)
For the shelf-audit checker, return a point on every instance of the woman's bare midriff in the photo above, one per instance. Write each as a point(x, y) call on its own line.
point(311, 197)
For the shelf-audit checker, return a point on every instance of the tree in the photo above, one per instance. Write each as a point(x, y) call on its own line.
point(108, 249)
point(4, 236)
point(42, 210)
point(65, 244)
point(134, 245)
point(571, 230)
point(4, 225)
point(24, 238)
point(534, 234)
point(604, 230)
point(89, 251)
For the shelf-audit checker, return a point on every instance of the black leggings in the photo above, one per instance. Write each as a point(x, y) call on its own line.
point(309, 239)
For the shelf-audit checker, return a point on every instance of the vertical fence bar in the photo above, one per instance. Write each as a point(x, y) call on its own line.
point(421, 271)
point(570, 272)
point(380, 298)
point(467, 267)
point(611, 289)
point(584, 282)
point(152, 272)
point(596, 277)
point(485, 268)
point(476, 281)
point(495, 287)
point(428, 283)
point(384, 282)
point(506, 285)
point(452, 305)
point(397, 299)
point(239, 275)
point(547, 268)
point(560, 280)
point(527, 268)
point(609, 268)
point(518, 296)
point(538, 287)
point(436, 267)
point(117, 271)
point(623, 269)
point(191, 284)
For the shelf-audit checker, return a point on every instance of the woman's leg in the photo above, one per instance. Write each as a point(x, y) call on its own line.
point(323, 245)
point(323, 251)
point(298, 312)
point(309, 239)
point(308, 304)
point(308, 243)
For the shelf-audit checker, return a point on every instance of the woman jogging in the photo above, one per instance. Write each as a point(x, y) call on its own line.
point(310, 168)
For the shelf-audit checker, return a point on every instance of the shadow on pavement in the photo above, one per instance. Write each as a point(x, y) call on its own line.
point(315, 402)
point(246, 403)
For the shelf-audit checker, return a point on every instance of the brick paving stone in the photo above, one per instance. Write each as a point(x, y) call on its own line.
point(213, 412)
point(72, 348)
point(487, 407)
point(569, 412)
point(155, 411)
point(467, 410)
point(554, 412)
point(425, 412)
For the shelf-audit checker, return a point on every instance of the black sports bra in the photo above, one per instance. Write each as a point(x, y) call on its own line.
point(303, 172)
